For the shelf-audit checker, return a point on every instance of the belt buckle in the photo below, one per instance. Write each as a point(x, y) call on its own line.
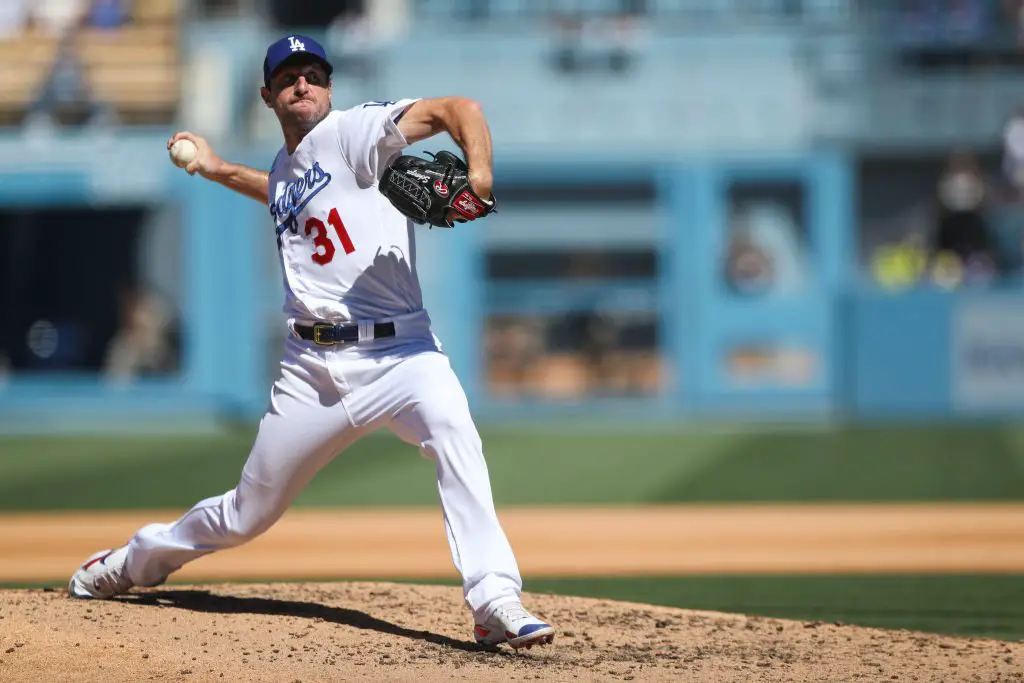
point(317, 328)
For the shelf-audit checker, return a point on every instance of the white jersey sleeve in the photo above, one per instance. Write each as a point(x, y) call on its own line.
point(369, 137)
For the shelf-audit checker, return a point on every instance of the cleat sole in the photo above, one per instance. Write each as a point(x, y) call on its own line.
point(541, 639)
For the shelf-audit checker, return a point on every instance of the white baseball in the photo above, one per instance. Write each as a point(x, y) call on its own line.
point(183, 152)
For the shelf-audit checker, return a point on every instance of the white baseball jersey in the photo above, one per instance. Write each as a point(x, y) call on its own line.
point(346, 253)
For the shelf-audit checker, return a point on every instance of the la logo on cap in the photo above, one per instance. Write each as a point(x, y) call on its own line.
point(296, 44)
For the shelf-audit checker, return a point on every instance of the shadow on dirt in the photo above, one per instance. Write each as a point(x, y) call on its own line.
point(204, 601)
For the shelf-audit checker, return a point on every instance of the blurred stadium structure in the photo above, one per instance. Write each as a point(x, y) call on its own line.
point(759, 208)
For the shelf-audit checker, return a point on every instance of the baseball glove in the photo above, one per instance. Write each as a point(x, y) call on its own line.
point(431, 190)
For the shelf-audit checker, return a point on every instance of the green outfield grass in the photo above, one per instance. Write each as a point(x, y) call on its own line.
point(533, 465)
point(990, 606)
point(604, 465)
point(978, 605)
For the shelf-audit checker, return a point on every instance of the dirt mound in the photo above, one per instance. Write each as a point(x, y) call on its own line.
point(384, 631)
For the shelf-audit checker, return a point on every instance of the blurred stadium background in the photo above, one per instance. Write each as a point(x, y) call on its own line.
point(748, 251)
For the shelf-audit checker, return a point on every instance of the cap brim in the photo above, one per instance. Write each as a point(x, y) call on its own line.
point(303, 58)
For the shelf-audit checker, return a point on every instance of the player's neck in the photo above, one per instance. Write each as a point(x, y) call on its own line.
point(292, 139)
point(295, 134)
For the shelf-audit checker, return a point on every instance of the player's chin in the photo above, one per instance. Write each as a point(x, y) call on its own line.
point(307, 112)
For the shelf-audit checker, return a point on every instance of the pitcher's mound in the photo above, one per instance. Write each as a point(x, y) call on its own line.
point(384, 631)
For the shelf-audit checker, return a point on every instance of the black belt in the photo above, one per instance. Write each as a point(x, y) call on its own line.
point(326, 334)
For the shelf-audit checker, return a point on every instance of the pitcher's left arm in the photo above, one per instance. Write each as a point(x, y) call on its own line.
point(464, 120)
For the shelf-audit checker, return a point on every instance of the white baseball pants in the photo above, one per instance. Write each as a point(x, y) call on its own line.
point(324, 401)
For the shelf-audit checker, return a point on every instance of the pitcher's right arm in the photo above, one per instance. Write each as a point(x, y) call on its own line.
point(251, 182)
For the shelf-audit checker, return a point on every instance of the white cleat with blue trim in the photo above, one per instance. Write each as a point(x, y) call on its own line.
point(511, 623)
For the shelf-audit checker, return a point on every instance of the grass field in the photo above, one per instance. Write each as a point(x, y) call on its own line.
point(968, 605)
point(533, 465)
point(990, 606)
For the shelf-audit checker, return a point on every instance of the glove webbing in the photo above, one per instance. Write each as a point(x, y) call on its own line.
point(414, 191)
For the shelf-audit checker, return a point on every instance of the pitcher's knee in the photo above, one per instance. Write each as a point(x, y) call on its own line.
point(445, 429)
point(439, 424)
point(245, 531)
point(244, 522)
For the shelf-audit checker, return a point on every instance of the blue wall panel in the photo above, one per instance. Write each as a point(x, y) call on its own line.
point(877, 354)
point(899, 354)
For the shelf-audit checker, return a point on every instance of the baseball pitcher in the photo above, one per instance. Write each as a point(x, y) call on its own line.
point(360, 355)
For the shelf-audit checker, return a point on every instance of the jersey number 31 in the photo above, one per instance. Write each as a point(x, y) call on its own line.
point(322, 241)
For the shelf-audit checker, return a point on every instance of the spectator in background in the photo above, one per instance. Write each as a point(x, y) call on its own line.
point(623, 28)
point(1013, 153)
point(765, 255)
point(57, 17)
point(589, 39)
point(143, 341)
point(1014, 12)
point(968, 22)
point(66, 98)
point(13, 17)
point(478, 10)
point(320, 13)
point(945, 33)
point(361, 30)
point(961, 235)
point(567, 56)
point(901, 264)
point(748, 270)
point(108, 14)
point(919, 24)
point(220, 8)
point(585, 329)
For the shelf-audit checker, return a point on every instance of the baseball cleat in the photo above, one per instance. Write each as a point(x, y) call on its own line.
point(511, 623)
point(103, 575)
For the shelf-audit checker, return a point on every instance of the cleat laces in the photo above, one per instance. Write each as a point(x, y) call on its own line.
point(115, 581)
point(511, 612)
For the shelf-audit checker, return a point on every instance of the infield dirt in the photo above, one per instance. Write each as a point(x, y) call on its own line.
point(310, 544)
point(392, 632)
point(400, 632)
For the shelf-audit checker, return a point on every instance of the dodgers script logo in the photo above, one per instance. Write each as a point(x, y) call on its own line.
point(296, 194)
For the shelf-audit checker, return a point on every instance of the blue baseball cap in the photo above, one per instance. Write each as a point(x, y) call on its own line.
point(293, 46)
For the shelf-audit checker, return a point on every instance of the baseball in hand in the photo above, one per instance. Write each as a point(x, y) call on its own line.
point(183, 152)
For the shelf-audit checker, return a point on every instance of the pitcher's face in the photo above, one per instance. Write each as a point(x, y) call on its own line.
point(300, 95)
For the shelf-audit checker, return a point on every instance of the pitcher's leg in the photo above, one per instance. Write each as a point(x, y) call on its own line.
point(296, 438)
point(437, 419)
